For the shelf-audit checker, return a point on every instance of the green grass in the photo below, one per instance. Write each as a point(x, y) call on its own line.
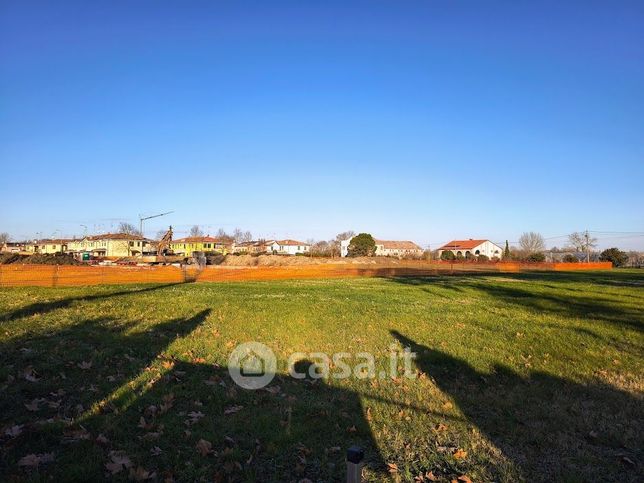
point(536, 377)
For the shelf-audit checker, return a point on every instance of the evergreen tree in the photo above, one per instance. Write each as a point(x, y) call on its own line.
point(506, 252)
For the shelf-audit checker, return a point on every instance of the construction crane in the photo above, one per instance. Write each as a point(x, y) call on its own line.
point(142, 218)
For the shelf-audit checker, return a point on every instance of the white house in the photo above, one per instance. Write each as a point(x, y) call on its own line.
point(387, 248)
point(472, 248)
point(287, 247)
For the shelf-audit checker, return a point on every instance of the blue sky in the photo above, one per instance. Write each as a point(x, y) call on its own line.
point(416, 120)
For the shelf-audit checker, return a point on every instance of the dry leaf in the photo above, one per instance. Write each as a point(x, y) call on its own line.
point(233, 409)
point(118, 463)
point(36, 459)
point(14, 431)
point(464, 479)
point(101, 439)
point(392, 467)
point(460, 454)
point(84, 365)
point(204, 448)
point(156, 451)
point(33, 405)
point(141, 474)
point(29, 374)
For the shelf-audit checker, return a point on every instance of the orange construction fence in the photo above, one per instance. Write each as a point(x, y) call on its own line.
point(15, 275)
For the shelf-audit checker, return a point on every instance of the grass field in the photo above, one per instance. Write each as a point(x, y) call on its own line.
point(535, 377)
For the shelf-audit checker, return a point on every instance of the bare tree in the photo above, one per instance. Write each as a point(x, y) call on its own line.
point(532, 242)
point(195, 231)
point(241, 236)
point(128, 228)
point(4, 238)
point(160, 234)
point(222, 235)
point(582, 242)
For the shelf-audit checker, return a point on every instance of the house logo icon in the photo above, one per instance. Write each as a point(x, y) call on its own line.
point(252, 365)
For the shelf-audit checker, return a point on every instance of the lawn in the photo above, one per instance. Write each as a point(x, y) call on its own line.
point(535, 377)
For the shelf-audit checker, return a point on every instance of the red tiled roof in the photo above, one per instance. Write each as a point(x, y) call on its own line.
point(462, 244)
point(398, 245)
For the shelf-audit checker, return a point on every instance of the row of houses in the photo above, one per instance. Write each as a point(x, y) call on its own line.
point(114, 245)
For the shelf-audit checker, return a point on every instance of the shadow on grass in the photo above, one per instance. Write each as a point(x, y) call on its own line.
point(155, 408)
point(551, 428)
point(41, 308)
point(543, 298)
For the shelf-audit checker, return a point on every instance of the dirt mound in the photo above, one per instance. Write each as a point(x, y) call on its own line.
point(290, 261)
point(50, 259)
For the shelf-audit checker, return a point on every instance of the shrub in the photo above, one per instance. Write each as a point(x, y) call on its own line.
point(536, 257)
point(568, 258)
point(614, 255)
point(362, 245)
point(447, 256)
point(460, 257)
point(483, 258)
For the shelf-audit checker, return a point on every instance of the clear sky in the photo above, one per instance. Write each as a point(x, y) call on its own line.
point(426, 120)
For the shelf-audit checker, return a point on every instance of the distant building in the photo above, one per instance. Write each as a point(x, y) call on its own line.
point(188, 245)
point(111, 245)
point(472, 248)
point(288, 247)
point(47, 246)
point(252, 247)
point(12, 247)
point(387, 248)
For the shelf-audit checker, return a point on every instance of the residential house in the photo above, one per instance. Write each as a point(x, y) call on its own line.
point(111, 245)
point(472, 248)
point(12, 247)
point(392, 248)
point(387, 248)
point(186, 246)
point(287, 247)
point(47, 246)
point(252, 247)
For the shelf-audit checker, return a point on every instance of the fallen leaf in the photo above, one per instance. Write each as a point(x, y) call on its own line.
point(459, 454)
point(29, 374)
point(36, 459)
point(392, 467)
point(464, 479)
point(33, 405)
point(626, 459)
point(156, 451)
point(14, 431)
point(118, 463)
point(204, 448)
point(85, 365)
point(141, 474)
point(233, 409)
point(101, 439)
